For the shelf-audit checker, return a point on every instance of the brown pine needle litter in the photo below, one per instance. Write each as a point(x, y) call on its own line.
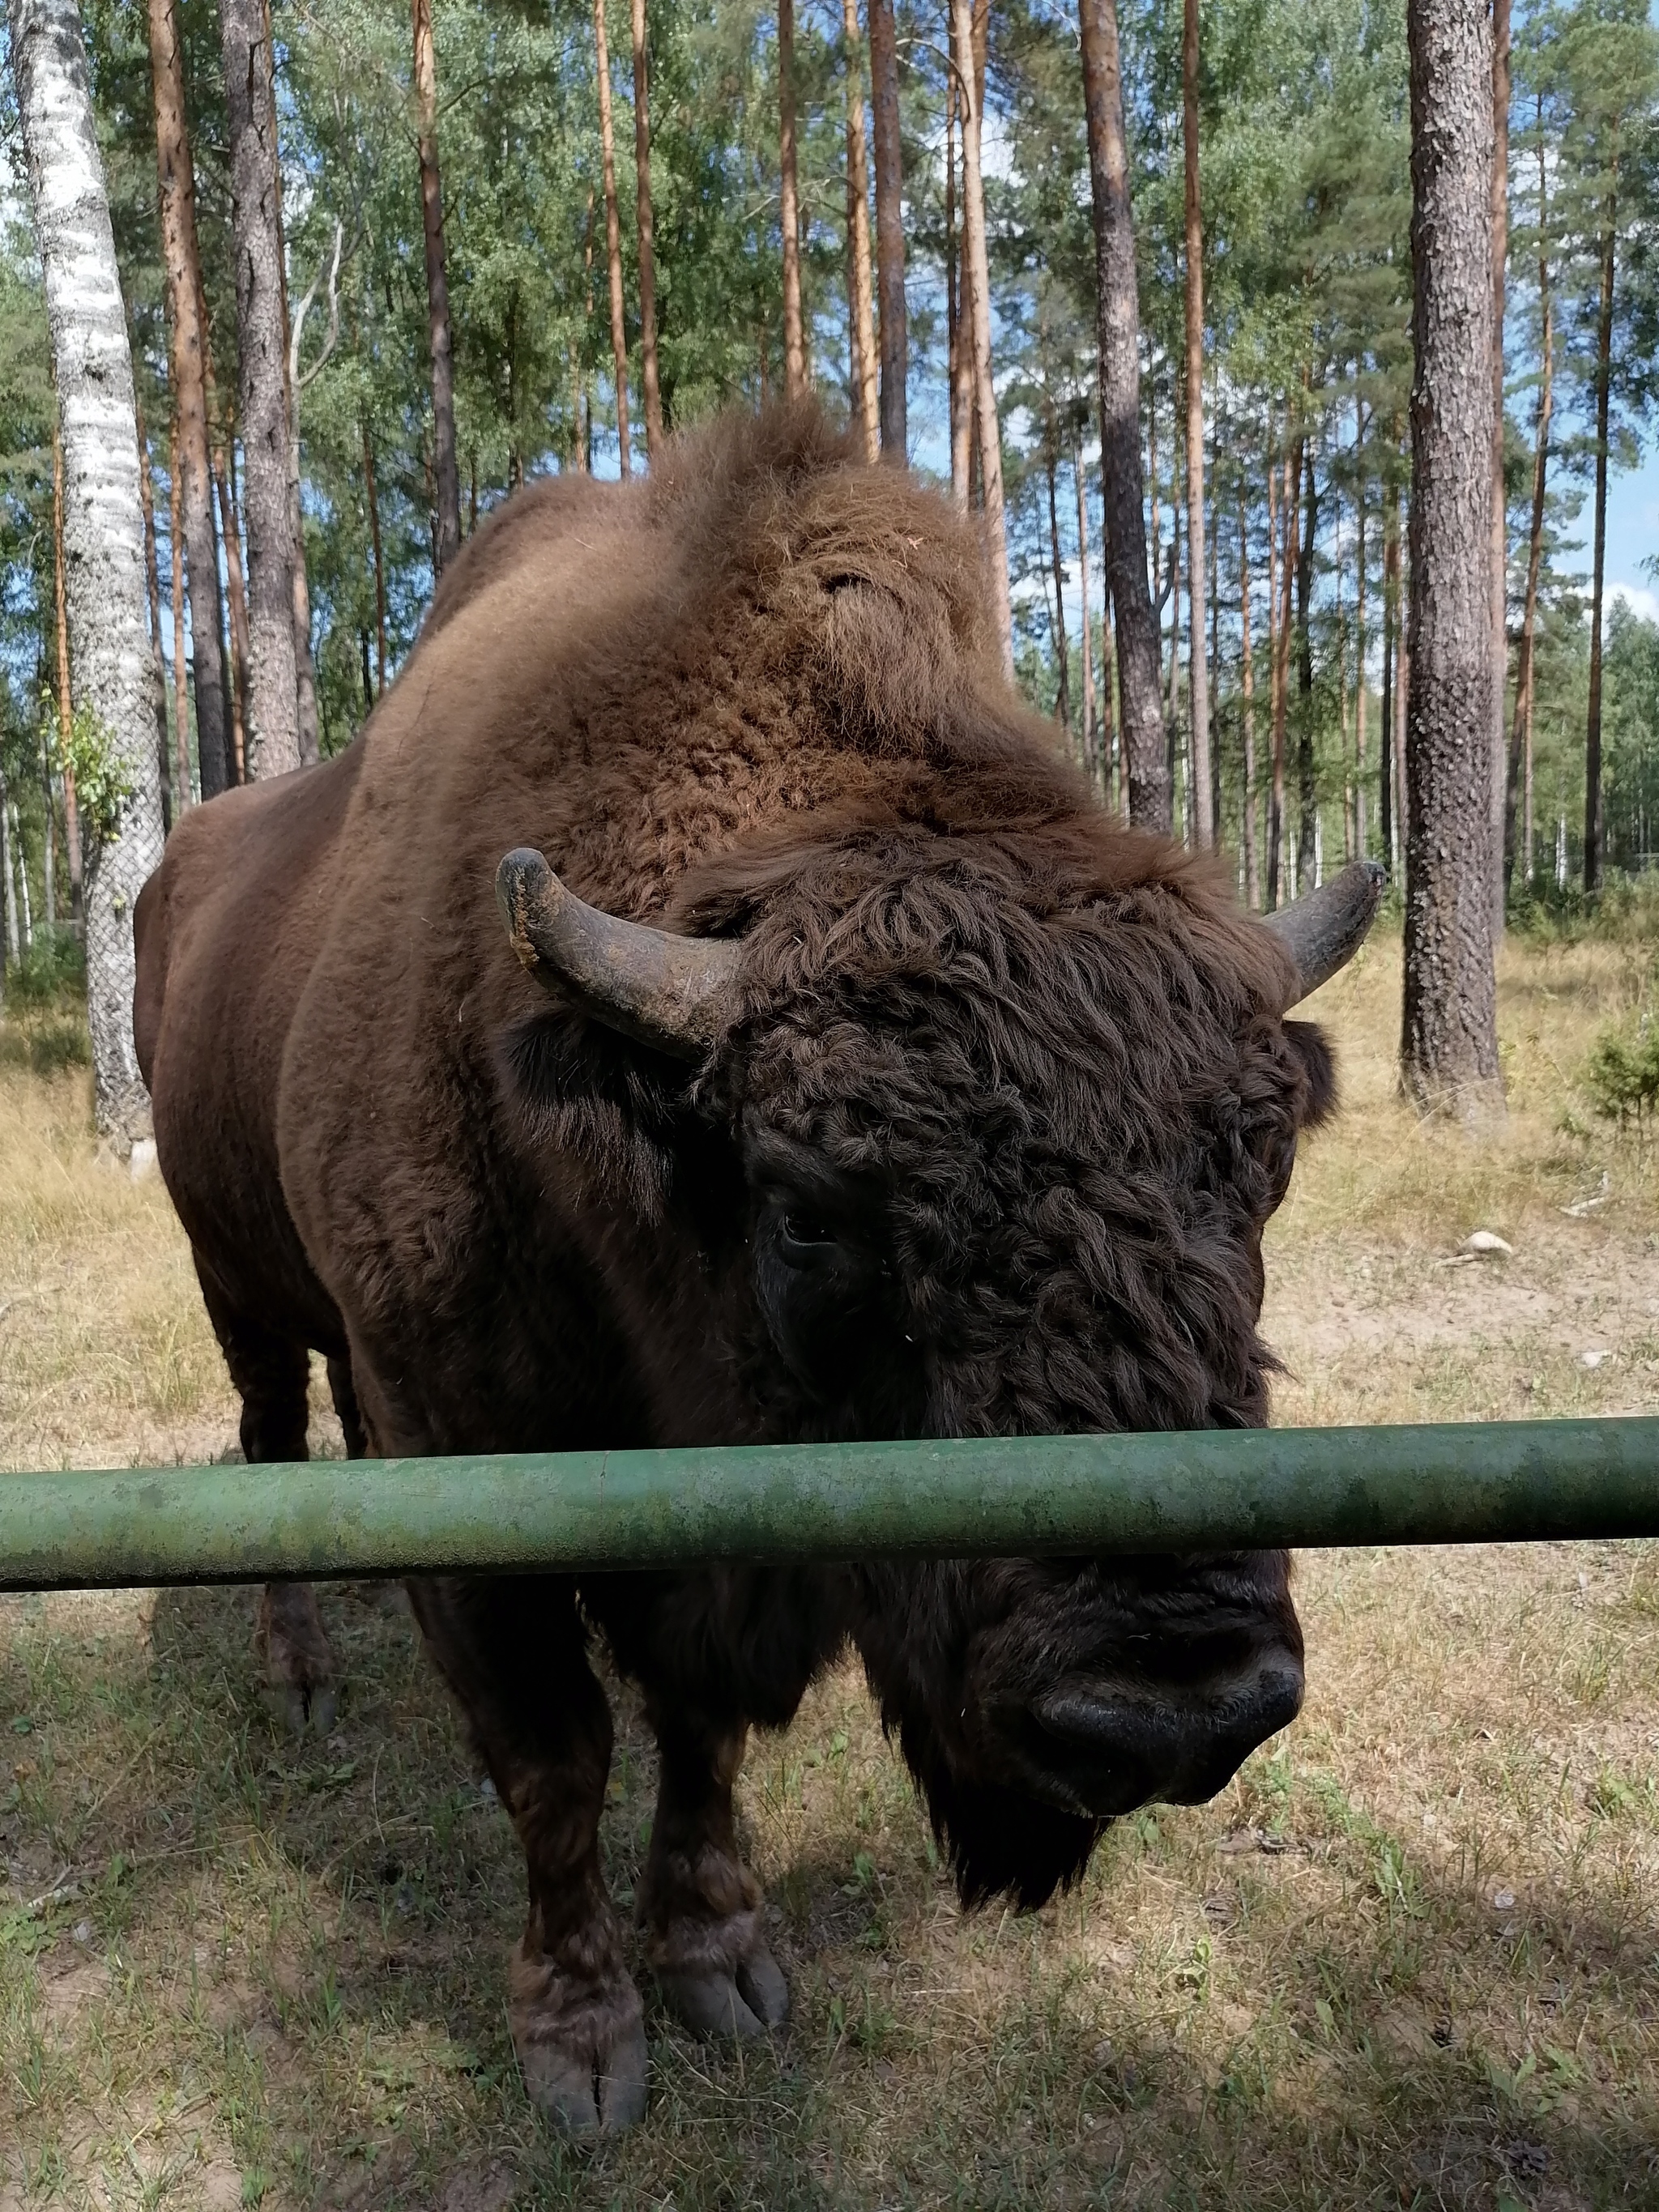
point(1410, 1956)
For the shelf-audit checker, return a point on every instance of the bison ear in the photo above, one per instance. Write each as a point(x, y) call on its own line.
point(579, 1086)
point(1310, 1046)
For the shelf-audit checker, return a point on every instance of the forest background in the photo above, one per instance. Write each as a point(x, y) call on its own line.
point(1304, 133)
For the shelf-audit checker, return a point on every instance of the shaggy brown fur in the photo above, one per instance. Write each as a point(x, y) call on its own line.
point(987, 1145)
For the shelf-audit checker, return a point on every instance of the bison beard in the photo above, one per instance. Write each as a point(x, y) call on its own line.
point(933, 1103)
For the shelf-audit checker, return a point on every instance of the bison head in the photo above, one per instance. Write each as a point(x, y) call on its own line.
point(1011, 1122)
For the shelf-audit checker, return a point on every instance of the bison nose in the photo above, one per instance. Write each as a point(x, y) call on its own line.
point(1120, 1748)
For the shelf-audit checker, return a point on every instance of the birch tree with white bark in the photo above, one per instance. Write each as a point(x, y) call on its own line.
point(112, 668)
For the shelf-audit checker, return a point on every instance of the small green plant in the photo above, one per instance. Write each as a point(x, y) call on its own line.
point(1622, 1074)
point(89, 753)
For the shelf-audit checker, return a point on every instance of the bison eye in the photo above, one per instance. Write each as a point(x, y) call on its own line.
point(800, 1235)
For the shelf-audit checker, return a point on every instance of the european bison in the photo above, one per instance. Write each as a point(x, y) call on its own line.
point(886, 1087)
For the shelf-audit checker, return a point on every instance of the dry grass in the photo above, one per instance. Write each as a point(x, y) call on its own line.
point(1409, 1957)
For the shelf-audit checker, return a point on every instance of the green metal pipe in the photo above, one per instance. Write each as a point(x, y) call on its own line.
point(1214, 1489)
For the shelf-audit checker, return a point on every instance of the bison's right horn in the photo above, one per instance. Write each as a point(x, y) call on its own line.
point(1322, 932)
point(664, 990)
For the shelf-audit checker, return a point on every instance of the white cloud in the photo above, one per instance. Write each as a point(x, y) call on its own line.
point(1641, 598)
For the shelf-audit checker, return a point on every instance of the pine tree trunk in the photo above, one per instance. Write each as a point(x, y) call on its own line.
point(959, 356)
point(860, 313)
point(1198, 673)
point(176, 563)
point(1247, 707)
point(612, 237)
point(795, 339)
point(103, 516)
point(1500, 645)
point(977, 262)
point(177, 193)
point(448, 538)
point(380, 564)
point(1593, 828)
point(1278, 815)
point(7, 878)
point(1520, 739)
point(1062, 650)
point(889, 229)
point(153, 594)
point(271, 732)
point(231, 535)
point(648, 375)
point(1306, 783)
point(1448, 1036)
point(1119, 340)
point(1361, 827)
point(1090, 749)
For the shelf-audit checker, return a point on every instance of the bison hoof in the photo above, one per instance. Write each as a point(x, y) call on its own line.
point(309, 1708)
point(581, 2053)
point(746, 2001)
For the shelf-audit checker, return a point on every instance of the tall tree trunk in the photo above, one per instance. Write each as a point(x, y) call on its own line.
point(231, 535)
point(1091, 726)
point(1448, 1034)
point(960, 361)
point(1278, 825)
point(8, 878)
point(1246, 703)
point(65, 708)
point(177, 195)
point(1387, 804)
point(1062, 650)
point(1521, 738)
point(650, 383)
point(447, 538)
point(103, 516)
point(176, 563)
point(271, 735)
point(1119, 339)
point(1593, 831)
point(380, 563)
point(1198, 673)
point(1306, 784)
point(153, 593)
point(612, 237)
point(304, 665)
point(1500, 644)
point(1403, 681)
point(889, 229)
point(860, 315)
point(976, 264)
point(795, 339)
point(1360, 825)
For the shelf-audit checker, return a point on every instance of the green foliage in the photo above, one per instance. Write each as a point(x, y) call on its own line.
point(91, 754)
point(1622, 1074)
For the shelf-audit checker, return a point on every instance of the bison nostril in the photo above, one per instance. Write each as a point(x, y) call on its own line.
point(1119, 1750)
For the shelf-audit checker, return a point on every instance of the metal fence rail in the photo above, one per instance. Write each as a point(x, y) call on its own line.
point(1215, 1489)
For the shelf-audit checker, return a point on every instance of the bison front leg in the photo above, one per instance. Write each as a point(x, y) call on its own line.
point(513, 1652)
point(699, 1905)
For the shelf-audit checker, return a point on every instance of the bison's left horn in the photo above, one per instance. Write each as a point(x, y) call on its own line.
point(1322, 932)
point(665, 991)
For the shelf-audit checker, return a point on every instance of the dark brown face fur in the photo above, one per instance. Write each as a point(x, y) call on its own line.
point(1008, 1134)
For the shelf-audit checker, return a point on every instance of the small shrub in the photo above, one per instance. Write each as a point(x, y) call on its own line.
point(52, 972)
point(1622, 1074)
point(56, 1045)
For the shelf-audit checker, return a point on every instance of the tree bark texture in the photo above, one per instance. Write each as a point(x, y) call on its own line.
point(795, 337)
point(1360, 825)
point(153, 594)
point(272, 730)
point(177, 194)
point(649, 379)
point(447, 538)
point(1118, 313)
point(889, 229)
point(860, 310)
point(1198, 673)
point(304, 665)
point(1062, 651)
point(959, 364)
point(1520, 740)
point(103, 517)
point(1500, 594)
point(176, 563)
point(1449, 1038)
point(1247, 706)
point(612, 236)
point(977, 268)
point(1089, 730)
point(1599, 559)
point(65, 702)
point(1307, 785)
